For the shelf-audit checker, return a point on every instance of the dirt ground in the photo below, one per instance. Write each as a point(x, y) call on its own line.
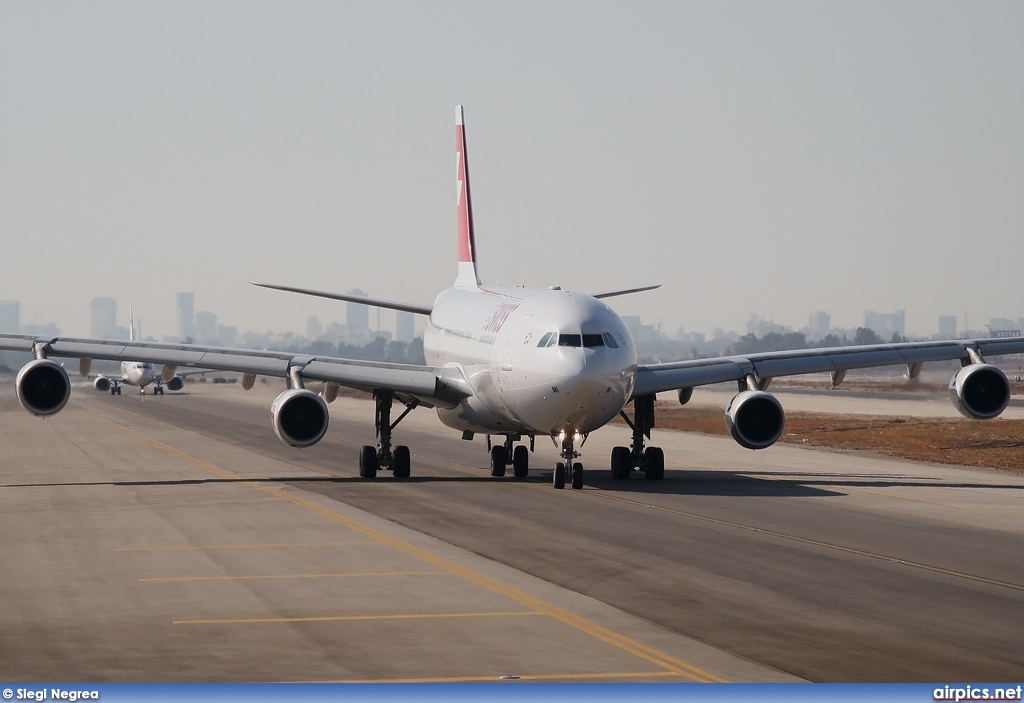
point(993, 444)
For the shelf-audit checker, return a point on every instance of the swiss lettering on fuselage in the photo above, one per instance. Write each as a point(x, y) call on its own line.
point(499, 316)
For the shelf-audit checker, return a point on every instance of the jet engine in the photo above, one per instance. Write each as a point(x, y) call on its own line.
point(979, 391)
point(176, 383)
point(101, 383)
point(755, 419)
point(300, 417)
point(43, 387)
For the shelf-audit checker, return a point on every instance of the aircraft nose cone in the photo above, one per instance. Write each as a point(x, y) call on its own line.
point(590, 397)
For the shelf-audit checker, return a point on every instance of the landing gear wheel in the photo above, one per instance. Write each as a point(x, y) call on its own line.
point(499, 459)
point(558, 480)
point(622, 465)
point(402, 462)
point(577, 476)
point(655, 460)
point(521, 462)
point(368, 462)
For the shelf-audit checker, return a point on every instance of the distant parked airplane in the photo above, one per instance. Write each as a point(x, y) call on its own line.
point(142, 373)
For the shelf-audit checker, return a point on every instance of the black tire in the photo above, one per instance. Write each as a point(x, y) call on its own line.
point(655, 459)
point(402, 462)
point(499, 459)
point(520, 462)
point(368, 462)
point(622, 463)
point(577, 476)
point(558, 479)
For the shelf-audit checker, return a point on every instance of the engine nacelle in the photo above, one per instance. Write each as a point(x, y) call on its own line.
point(176, 383)
point(979, 391)
point(43, 387)
point(755, 419)
point(102, 383)
point(300, 417)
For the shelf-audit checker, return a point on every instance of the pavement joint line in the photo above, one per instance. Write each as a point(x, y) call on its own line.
point(506, 678)
point(187, 547)
point(351, 618)
point(806, 540)
point(178, 579)
point(603, 634)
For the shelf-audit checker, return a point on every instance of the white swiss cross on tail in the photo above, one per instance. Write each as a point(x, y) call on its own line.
point(464, 206)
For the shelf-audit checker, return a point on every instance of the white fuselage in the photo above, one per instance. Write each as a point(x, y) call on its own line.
point(138, 373)
point(539, 361)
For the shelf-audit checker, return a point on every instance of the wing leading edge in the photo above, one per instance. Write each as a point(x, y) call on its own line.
point(431, 385)
point(655, 378)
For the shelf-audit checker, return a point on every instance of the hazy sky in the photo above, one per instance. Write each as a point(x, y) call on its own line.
point(757, 157)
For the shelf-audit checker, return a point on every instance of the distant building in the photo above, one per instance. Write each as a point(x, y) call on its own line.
point(1003, 323)
point(186, 316)
point(10, 317)
point(405, 326)
point(886, 325)
point(313, 328)
point(820, 323)
point(358, 320)
point(947, 326)
point(206, 326)
point(103, 318)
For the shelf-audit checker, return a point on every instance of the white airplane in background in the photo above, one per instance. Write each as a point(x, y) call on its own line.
point(140, 373)
point(517, 364)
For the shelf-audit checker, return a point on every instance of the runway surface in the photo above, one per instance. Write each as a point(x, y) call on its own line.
point(176, 539)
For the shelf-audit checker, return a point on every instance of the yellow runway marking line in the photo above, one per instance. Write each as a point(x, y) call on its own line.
point(351, 618)
point(813, 542)
point(176, 579)
point(185, 547)
point(603, 634)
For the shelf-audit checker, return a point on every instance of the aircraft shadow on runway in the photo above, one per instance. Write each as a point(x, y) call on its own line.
point(693, 482)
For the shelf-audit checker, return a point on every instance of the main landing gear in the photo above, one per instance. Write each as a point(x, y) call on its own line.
point(501, 453)
point(373, 459)
point(568, 469)
point(650, 460)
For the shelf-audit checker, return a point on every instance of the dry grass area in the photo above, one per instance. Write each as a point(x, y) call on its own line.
point(995, 444)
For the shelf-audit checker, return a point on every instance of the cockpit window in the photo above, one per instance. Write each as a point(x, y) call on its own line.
point(545, 339)
point(609, 340)
point(570, 340)
point(593, 340)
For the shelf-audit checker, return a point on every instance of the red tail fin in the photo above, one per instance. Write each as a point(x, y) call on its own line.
point(467, 242)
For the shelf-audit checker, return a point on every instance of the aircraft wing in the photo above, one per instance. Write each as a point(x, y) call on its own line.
point(654, 378)
point(431, 385)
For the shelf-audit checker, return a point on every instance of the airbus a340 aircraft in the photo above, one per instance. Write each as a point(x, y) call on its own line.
point(517, 364)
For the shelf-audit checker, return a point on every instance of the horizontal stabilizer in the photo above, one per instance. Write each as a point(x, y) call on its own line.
point(624, 291)
point(351, 298)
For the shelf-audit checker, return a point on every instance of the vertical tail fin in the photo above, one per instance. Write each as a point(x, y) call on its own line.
point(467, 242)
point(131, 325)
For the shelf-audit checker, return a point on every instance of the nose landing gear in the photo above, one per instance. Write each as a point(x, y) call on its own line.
point(568, 469)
